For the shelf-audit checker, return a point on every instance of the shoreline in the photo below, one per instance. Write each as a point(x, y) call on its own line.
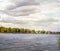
point(25, 31)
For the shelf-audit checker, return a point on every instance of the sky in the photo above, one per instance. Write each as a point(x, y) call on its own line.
point(32, 14)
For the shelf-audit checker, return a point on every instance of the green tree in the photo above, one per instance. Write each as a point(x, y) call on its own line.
point(42, 31)
point(33, 31)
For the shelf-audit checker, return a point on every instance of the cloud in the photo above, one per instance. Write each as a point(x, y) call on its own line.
point(35, 14)
point(4, 4)
point(19, 3)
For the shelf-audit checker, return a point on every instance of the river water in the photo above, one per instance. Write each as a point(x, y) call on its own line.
point(29, 42)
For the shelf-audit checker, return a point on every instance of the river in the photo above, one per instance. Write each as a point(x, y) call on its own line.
point(29, 42)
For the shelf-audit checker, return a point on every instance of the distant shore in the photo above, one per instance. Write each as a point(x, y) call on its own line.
point(25, 31)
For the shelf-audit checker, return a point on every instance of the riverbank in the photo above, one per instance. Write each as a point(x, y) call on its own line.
point(25, 31)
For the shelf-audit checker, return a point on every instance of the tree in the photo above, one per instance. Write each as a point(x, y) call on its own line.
point(43, 31)
point(33, 31)
point(22, 30)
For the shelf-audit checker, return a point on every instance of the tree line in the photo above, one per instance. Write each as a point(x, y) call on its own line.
point(22, 30)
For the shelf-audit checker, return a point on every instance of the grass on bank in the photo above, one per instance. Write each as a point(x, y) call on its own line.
point(59, 40)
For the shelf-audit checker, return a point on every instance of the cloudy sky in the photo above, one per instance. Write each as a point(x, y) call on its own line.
point(33, 14)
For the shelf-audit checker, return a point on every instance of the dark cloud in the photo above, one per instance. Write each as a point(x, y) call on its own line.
point(19, 3)
point(23, 11)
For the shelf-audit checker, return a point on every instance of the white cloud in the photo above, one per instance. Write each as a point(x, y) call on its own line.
point(43, 16)
point(4, 4)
